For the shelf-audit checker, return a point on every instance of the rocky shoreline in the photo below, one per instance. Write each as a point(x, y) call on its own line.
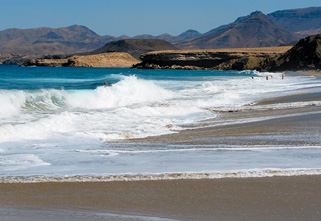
point(205, 60)
point(305, 55)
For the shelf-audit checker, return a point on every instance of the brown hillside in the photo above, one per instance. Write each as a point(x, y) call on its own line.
point(42, 41)
point(256, 30)
point(297, 20)
point(135, 47)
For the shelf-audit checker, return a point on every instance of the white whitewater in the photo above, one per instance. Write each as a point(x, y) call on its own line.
point(62, 133)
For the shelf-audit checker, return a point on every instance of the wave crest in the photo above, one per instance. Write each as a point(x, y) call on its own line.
point(126, 92)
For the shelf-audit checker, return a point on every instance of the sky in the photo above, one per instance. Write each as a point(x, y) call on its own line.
point(134, 17)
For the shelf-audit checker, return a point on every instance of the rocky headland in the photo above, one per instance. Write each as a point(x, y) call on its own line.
point(115, 59)
point(305, 55)
point(215, 59)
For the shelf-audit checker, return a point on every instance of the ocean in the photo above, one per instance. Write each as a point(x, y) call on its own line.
point(64, 124)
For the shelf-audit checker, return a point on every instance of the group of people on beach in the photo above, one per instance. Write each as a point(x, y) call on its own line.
point(267, 77)
point(270, 76)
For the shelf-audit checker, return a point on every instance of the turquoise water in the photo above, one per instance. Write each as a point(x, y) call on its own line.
point(62, 122)
point(33, 78)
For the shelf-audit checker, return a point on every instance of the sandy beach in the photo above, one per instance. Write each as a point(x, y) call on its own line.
point(312, 73)
point(268, 198)
point(277, 198)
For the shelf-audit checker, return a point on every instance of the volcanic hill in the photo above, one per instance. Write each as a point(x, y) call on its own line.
point(305, 55)
point(255, 30)
point(41, 41)
point(135, 47)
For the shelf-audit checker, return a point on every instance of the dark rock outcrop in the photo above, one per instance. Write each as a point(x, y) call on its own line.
point(238, 59)
point(306, 54)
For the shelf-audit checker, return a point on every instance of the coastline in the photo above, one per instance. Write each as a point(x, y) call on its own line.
point(264, 198)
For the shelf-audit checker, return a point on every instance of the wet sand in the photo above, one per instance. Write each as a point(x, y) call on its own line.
point(265, 126)
point(276, 198)
point(313, 73)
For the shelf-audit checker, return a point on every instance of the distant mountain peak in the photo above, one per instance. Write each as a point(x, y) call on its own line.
point(253, 14)
point(189, 34)
point(76, 27)
point(254, 30)
point(81, 29)
point(257, 13)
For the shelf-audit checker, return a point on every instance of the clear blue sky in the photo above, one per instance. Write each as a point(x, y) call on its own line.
point(133, 17)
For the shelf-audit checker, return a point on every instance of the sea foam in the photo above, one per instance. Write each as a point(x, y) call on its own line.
point(167, 176)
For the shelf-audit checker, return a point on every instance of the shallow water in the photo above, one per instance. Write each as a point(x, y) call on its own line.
point(34, 215)
point(58, 122)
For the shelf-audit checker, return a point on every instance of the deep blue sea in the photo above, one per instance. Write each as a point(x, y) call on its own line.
point(65, 122)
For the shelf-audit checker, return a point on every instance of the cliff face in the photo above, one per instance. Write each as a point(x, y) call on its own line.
point(225, 59)
point(115, 59)
point(306, 54)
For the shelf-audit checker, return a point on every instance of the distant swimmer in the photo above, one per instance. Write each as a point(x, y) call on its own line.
point(106, 83)
point(252, 77)
point(267, 77)
point(282, 76)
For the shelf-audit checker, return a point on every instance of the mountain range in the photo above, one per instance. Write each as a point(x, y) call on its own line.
point(254, 30)
point(298, 20)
